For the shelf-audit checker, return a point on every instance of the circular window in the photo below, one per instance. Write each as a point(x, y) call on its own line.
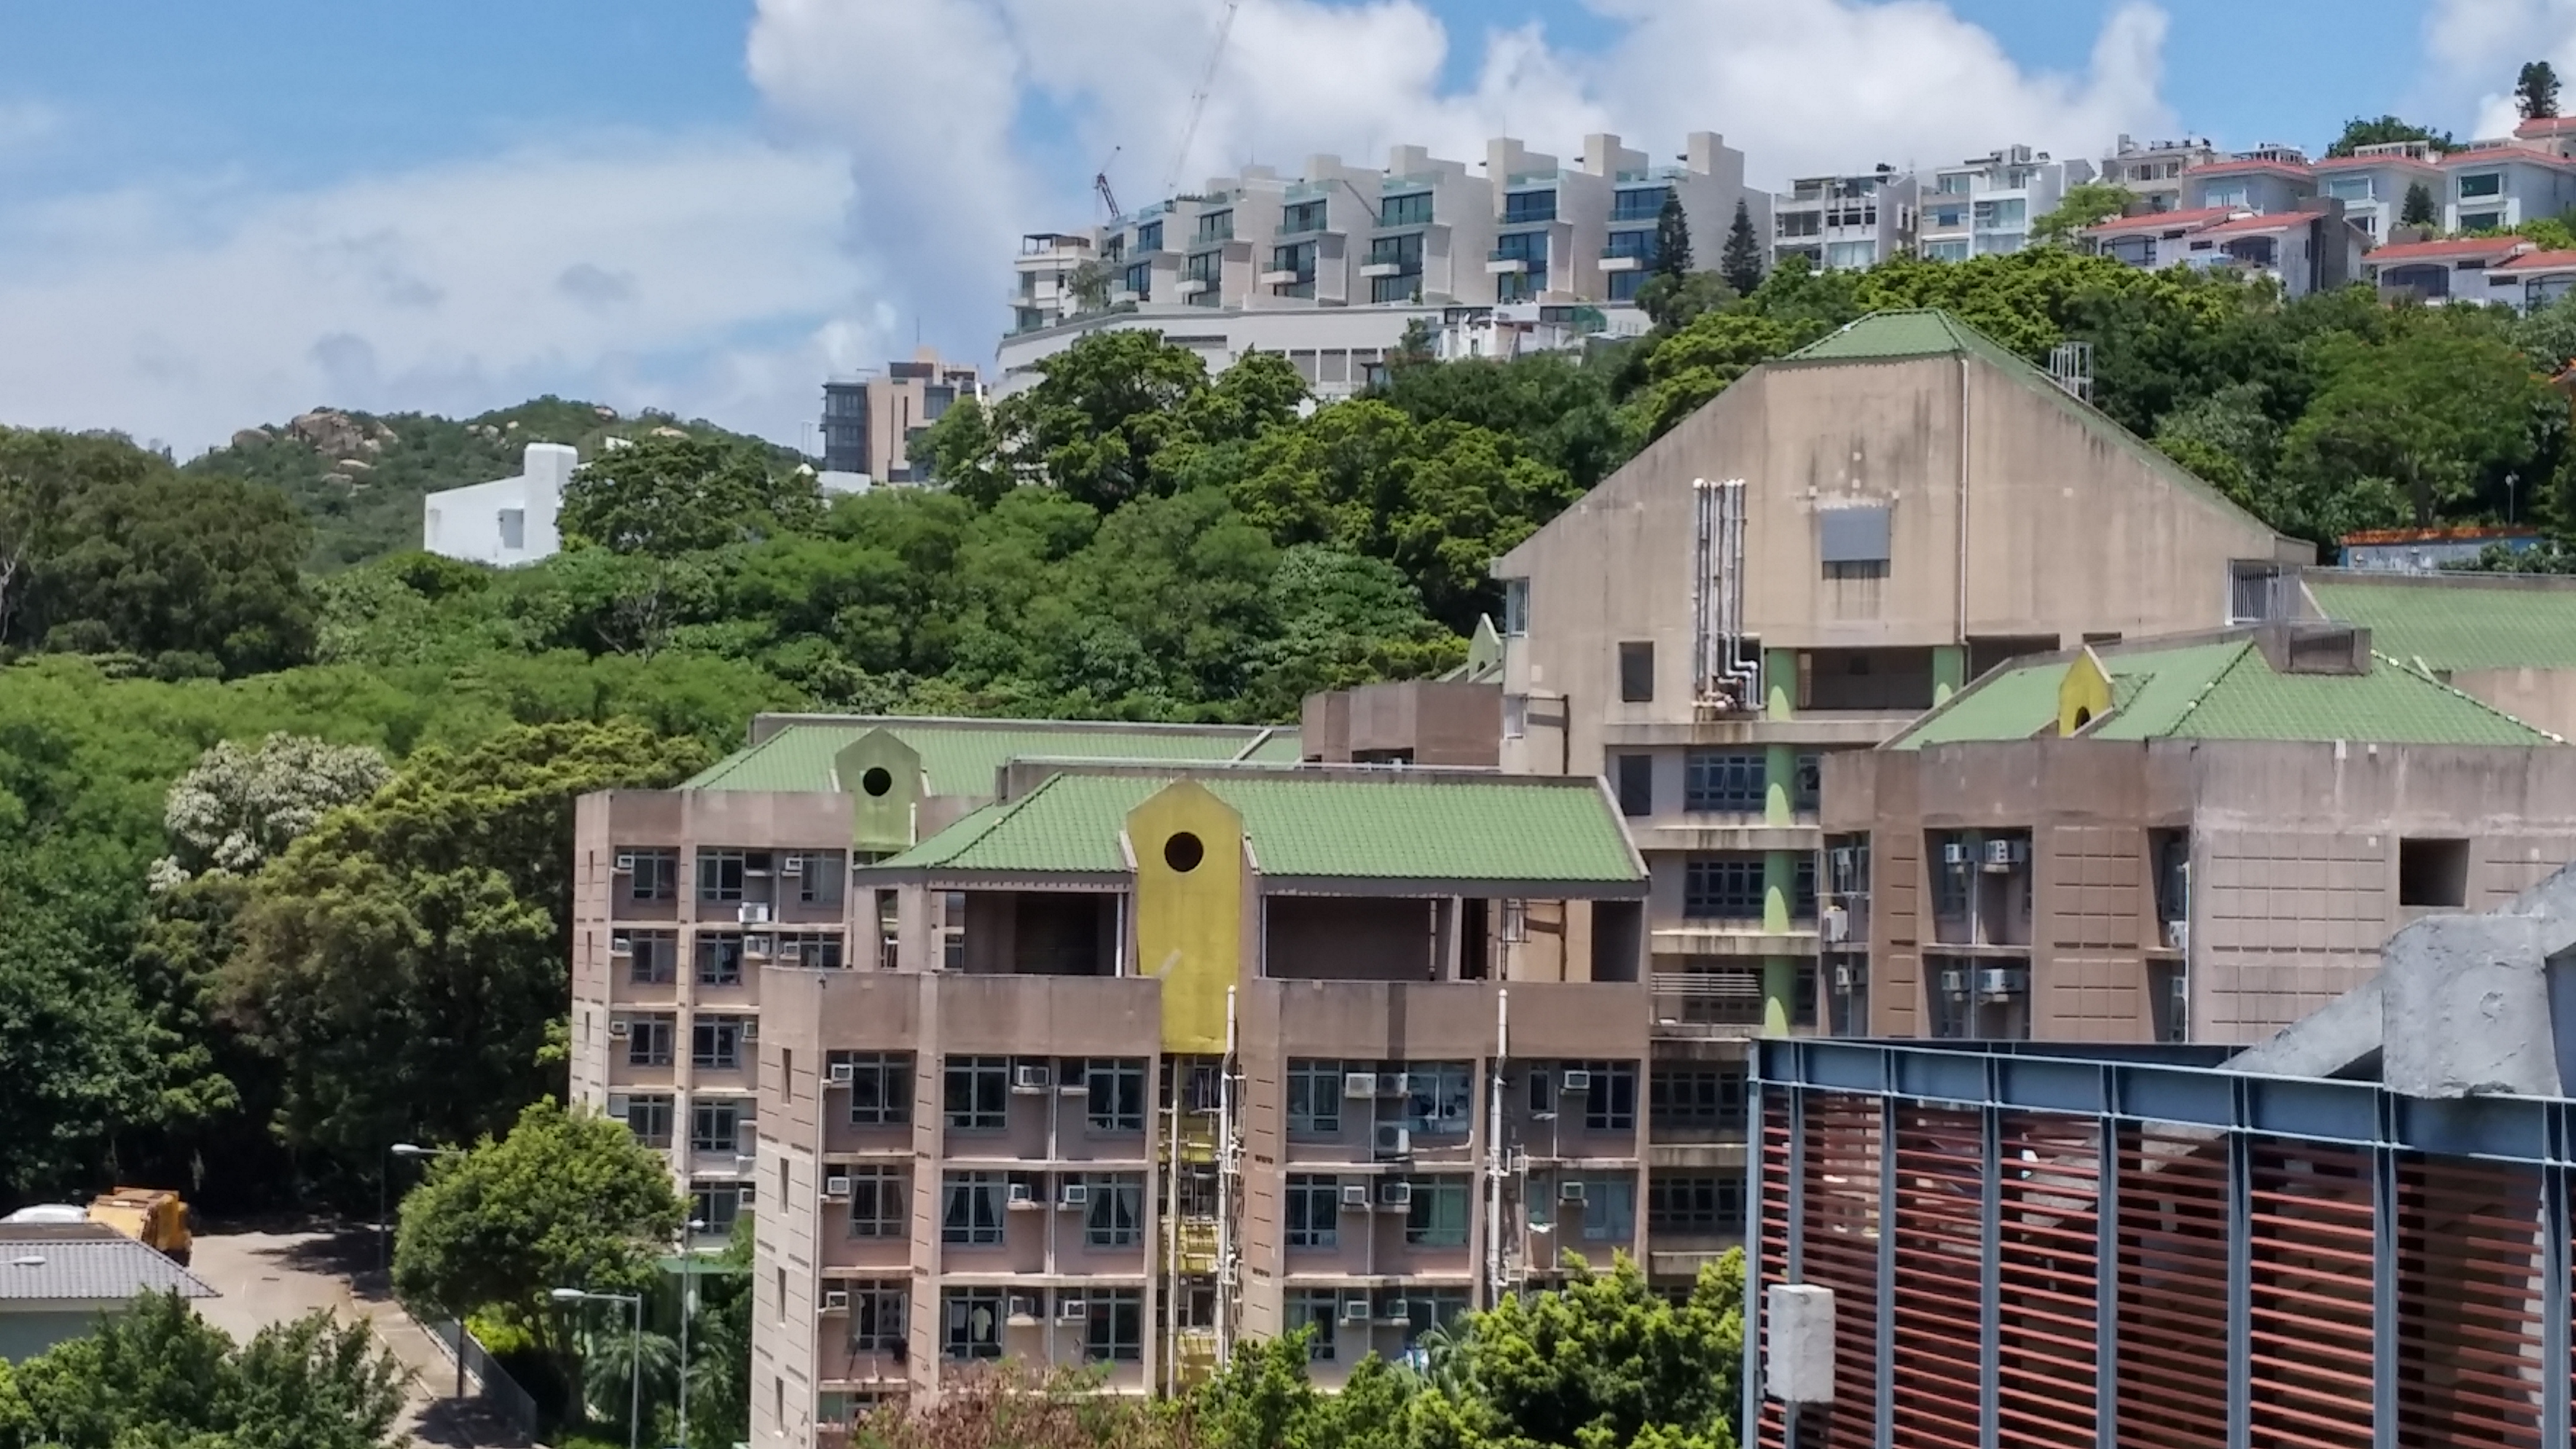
point(877, 780)
point(1183, 852)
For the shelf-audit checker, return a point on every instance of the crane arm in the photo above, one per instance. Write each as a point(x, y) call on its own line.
point(1198, 98)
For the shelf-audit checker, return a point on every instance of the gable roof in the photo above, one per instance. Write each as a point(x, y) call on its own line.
point(2224, 689)
point(1930, 332)
point(2451, 248)
point(1307, 824)
point(2456, 622)
point(2248, 163)
point(2539, 261)
point(2159, 220)
point(962, 757)
point(88, 1270)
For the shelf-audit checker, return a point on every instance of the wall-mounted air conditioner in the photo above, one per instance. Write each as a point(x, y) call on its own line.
point(1074, 1195)
point(1954, 982)
point(621, 945)
point(1576, 1081)
point(1834, 924)
point(2005, 854)
point(1020, 1305)
point(1359, 1084)
point(792, 865)
point(1394, 1085)
point(836, 1186)
point(1569, 1192)
point(841, 1074)
point(617, 1028)
point(1069, 1309)
point(1396, 1310)
point(619, 1104)
point(1022, 1194)
point(1956, 855)
point(1393, 1141)
point(1395, 1192)
point(836, 1300)
point(752, 913)
point(626, 865)
point(2178, 935)
point(1842, 976)
point(2003, 981)
point(1355, 1310)
point(1355, 1195)
point(1031, 1077)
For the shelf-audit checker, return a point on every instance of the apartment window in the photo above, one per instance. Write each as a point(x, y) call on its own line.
point(656, 876)
point(1319, 1312)
point(1115, 1327)
point(880, 1089)
point(1695, 1206)
point(1636, 672)
point(1637, 244)
point(721, 873)
point(1723, 888)
point(1521, 206)
point(1404, 253)
point(1297, 258)
point(720, 959)
point(717, 1204)
point(2009, 213)
point(1314, 1211)
point(808, 950)
point(649, 1118)
point(2349, 188)
point(514, 528)
point(2233, 194)
point(1207, 269)
point(876, 1203)
point(715, 1043)
point(876, 1317)
point(1437, 1217)
point(1639, 203)
point(970, 1209)
point(952, 930)
point(1114, 1212)
point(1946, 218)
point(1516, 607)
point(1635, 779)
point(977, 1092)
point(1853, 255)
point(1412, 208)
point(1215, 226)
point(1611, 1105)
point(652, 958)
point(716, 1125)
point(2484, 183)
point(1302, 216)
point(970, 1323)
point(1114, 249)
point(1798, 223)
point(2433, 873)
point(1314, 1098)
point(2481, 221)
point(1956, 183)
point(1437, 1097)
point(1402, 287)
point(1807, 788)
point(1526, 247)
point(1197, 1190)
point(818, 876)
point(1733, 781)
point(1609, 1210)
point(648, 1041)
point(1149, 238)
point(1117, 1092)
point(1696, 1097)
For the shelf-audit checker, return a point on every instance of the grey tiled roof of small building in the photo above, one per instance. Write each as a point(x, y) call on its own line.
point(89, 1270)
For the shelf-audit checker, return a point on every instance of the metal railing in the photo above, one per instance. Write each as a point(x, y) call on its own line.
point(492, 1382)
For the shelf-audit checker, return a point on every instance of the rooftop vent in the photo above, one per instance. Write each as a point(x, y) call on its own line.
point(2314, 646)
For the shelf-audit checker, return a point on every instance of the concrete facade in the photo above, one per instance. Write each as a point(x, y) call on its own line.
point(1985, 206)
point(1837, 222)
point(871, 423)
point(2153, 170)
point(507, 521)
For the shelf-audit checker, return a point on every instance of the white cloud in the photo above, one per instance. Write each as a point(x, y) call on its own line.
point(698, 274)
point(2479, 47)
point(1802, 86)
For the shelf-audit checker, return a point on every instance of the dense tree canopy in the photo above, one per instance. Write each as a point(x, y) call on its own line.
point(2381, 130)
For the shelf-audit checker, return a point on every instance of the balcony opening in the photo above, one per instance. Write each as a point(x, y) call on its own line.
point(2433, 873)
point(1031, 933)
point(1978, 998)
point(1995, 651)
point(1865, 679)
point(1618, 939)
point(1350, 938)
point(2171, 854)
point(1981, 887)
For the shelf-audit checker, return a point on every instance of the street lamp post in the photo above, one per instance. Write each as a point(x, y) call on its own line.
point(634, 1352)
point(688, 1307)
point(384, 1172)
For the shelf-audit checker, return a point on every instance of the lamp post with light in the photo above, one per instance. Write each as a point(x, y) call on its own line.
point(634, 1352)
point(384, 1263)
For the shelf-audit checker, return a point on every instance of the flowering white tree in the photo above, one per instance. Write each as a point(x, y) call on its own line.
point(244, 804)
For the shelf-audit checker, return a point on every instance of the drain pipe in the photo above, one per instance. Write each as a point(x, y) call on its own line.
point(1494, 1149)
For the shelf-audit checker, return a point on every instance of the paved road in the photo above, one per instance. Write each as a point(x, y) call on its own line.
point(275, 1276)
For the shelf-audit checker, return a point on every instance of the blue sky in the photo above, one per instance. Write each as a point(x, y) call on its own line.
point(211, 215)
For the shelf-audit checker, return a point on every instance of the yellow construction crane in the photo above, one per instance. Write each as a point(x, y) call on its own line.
point(1198, 98)
point(1100, 186)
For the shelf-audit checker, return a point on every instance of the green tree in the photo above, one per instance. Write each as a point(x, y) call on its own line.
point(1695, 364)
point(963, 453)
point(662, 497)
point(401, 962)
point(1673, 238)
point(2363, 131)
point(2419, 208)
point(158, 1375)
point(242, 805)
point(1741, 263)
point(1097, 421)
point(2414, 428)
point(2087, 203)
point(567, 1199)
point(2535, 91)
point(1672, 302)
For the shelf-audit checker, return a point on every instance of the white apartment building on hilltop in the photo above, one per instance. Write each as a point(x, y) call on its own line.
point(1515, 251)
point(1838, 222)
point(506, 521)
point(1985, 206)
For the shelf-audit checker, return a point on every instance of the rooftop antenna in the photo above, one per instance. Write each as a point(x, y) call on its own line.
point(1198, 98)
point(1100, 185)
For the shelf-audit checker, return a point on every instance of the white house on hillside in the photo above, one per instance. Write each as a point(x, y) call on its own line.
point(508, 521)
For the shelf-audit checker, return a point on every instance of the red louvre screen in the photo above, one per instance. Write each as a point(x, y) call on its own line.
point(2051, 1194)
point(1939, 1250)
point(2172, 1367)
point(2469, 1264)
point(1773, 1239)
point(1839, 1248)
point(2310, 1312)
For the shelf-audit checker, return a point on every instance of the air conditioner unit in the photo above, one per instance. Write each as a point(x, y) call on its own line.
point(1393, 1141)
point(792, 865)
point(621, 945)
point(1359, 1084)
point(2003, 981)
point(1835, 923)
point(1355, 1195)
point(836, 1300)
point(1022, 1195)
point(1355, 1310)
point(752, 913)
point(1074, 1195)
point(1396, 1310)
point(1395, 1192)
point(617, 1028)
point(841, 1074)
point(2005, 854)
point(1955, 854)
point(1577, 1081)
point(1019, 1305)
point(1070, 1310)
point(625, 865)
point(837, 1185)
point(1842, 976)
point(619, 1104)
point(1029, 1078)
point(1954, 982)
point(1569, 1192)
point(2178, 935)
point(751, 1030)
point(756, 946)
point(1839, 861)
point(1395, 1085)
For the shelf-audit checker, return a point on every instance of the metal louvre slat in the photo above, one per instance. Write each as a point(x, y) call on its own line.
point(2172, 1289)
point(2050, 1191)
point(2469, 1259)
point(1840, 1248)
point(1771, 1430)
point(1939, 1231)
point(2311, 1350)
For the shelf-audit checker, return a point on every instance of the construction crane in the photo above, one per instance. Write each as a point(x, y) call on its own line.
point(1100, 185)
point(1198, 98)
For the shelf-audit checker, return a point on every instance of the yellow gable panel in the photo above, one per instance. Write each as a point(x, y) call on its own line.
point(882, 776)
point(1189, 909)
point(2084, 694)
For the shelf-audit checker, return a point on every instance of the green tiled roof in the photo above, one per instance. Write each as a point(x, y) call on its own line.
point(1930, 332)
point(2226, 691)
point(1311, 826)
point(2463, 625)
point(962, 757)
